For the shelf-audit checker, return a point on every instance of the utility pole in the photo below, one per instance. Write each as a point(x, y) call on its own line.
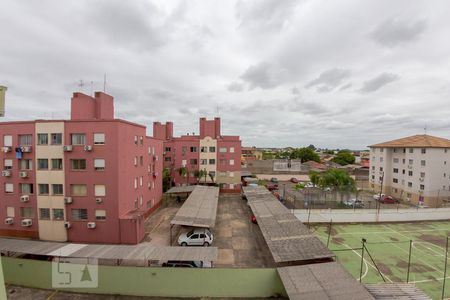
point(379, 198)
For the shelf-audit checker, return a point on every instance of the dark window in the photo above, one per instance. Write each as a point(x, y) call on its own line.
point(42, 139)
point(42, 164)
point(79, 214)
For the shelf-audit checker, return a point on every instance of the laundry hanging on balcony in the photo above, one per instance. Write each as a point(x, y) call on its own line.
point(19, 153)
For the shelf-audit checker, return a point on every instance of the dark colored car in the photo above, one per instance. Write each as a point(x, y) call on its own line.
point(274, 180)
point(272, 186)
point(183, 264)
point(253, 219)
point(294, 180)
point(388, 200)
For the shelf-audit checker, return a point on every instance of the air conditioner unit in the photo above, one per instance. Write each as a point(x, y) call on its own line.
point(421, 179)
point(91, 225)
point(27, 222)
point(154, 157)
point(67, 148)
point(155, 174)
point(24, 198)
point(87, 148)
point(98, 200)
point(7, 149)
point(25, 149)
point(9, 221)
point(67, 200)
point(67, 225)
point(6, 173)
point(23, 174)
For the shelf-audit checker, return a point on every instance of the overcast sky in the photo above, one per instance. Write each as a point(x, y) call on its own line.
point(342, 74)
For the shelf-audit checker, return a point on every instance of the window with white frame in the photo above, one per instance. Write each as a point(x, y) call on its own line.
point(135, 183)
point(7, 164)
point(79, 213)
point(27, 212)
point(99, 164)
point(223, 149)
point(100, 214)
point(141, 199)
point(7, 140)
point(99, 138)
point(141, 181)
point(44, 213)
point(10, 212)
point(100, 190)
point(231, 162)
point(78, 138)
point(43, 189)
point(231, 174)
point(231, 149)
point(26, 188)
point(42, 139)
point(26, 164)
point(25, 139)
point(9, 188)
point(56, 138)
point(78, 189)
point(58, 214)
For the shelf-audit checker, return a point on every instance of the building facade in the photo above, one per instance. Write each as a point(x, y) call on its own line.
point(415, 169)
point(217, 156)
point(89, 179)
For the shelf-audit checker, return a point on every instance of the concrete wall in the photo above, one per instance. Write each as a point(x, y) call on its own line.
point(371, 215)
point(157, 282)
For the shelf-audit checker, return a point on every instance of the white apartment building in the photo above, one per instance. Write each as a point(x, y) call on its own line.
point(415, 169)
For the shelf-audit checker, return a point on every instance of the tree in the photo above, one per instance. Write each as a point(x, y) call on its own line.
point(344, 157)
point(312, 147)
point(314, 177)
point(304, 154)
point(167, 180)
point(338, 181)
point(183, 171)
point(267, 155)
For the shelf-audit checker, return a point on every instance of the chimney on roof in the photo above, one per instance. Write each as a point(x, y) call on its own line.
point(84, 107)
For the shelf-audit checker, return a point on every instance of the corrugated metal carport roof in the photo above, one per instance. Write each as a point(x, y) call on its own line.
point(181, 189)
point(142, 251)
point(199, 209)
point(321, 281)
point(385, 291)
point(288, 239)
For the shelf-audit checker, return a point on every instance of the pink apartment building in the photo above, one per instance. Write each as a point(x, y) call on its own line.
point(89, 179)
point(218, 155)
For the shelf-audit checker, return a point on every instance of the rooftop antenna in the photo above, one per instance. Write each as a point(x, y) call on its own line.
point(81, 84)
point(425, 129)
point(104, 83)
point(217, 110)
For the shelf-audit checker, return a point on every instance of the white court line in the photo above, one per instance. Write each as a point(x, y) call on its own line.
point(366, 263)
point(434, 268)
point(423, 244)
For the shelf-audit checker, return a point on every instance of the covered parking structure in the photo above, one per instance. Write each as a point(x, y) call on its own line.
point(289, 241)
point(199, 209)
point(321, 281)
point(180, 191)
point(141, 252)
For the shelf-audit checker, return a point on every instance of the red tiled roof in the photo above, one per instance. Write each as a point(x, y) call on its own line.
point(416, 141)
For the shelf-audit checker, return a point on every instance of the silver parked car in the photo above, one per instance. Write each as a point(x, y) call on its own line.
point(196, 237)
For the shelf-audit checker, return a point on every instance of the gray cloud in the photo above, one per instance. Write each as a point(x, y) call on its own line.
point(265, 14)
point(393, 32)
point(378, 82)
point(328, 80)
point(235, 87)
point(178, 60)
point(264, 75)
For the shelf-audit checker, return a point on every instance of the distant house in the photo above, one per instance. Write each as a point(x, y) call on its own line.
point(313, 165)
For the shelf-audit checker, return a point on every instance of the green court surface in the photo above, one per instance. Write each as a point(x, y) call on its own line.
point(389, 245)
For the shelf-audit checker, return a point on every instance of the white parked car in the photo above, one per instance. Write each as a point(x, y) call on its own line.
point(309, 185)
point(196, 237)
point(377, 196)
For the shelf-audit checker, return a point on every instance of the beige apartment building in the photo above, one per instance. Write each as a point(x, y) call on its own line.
point(415, 169)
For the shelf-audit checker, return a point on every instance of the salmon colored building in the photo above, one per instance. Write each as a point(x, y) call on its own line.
point(217, 155)
point(90, 179)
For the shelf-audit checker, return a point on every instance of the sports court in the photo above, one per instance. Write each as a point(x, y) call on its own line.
point(389, 246)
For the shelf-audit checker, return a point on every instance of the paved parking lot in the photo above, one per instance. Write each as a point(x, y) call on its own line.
point(240, 242)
